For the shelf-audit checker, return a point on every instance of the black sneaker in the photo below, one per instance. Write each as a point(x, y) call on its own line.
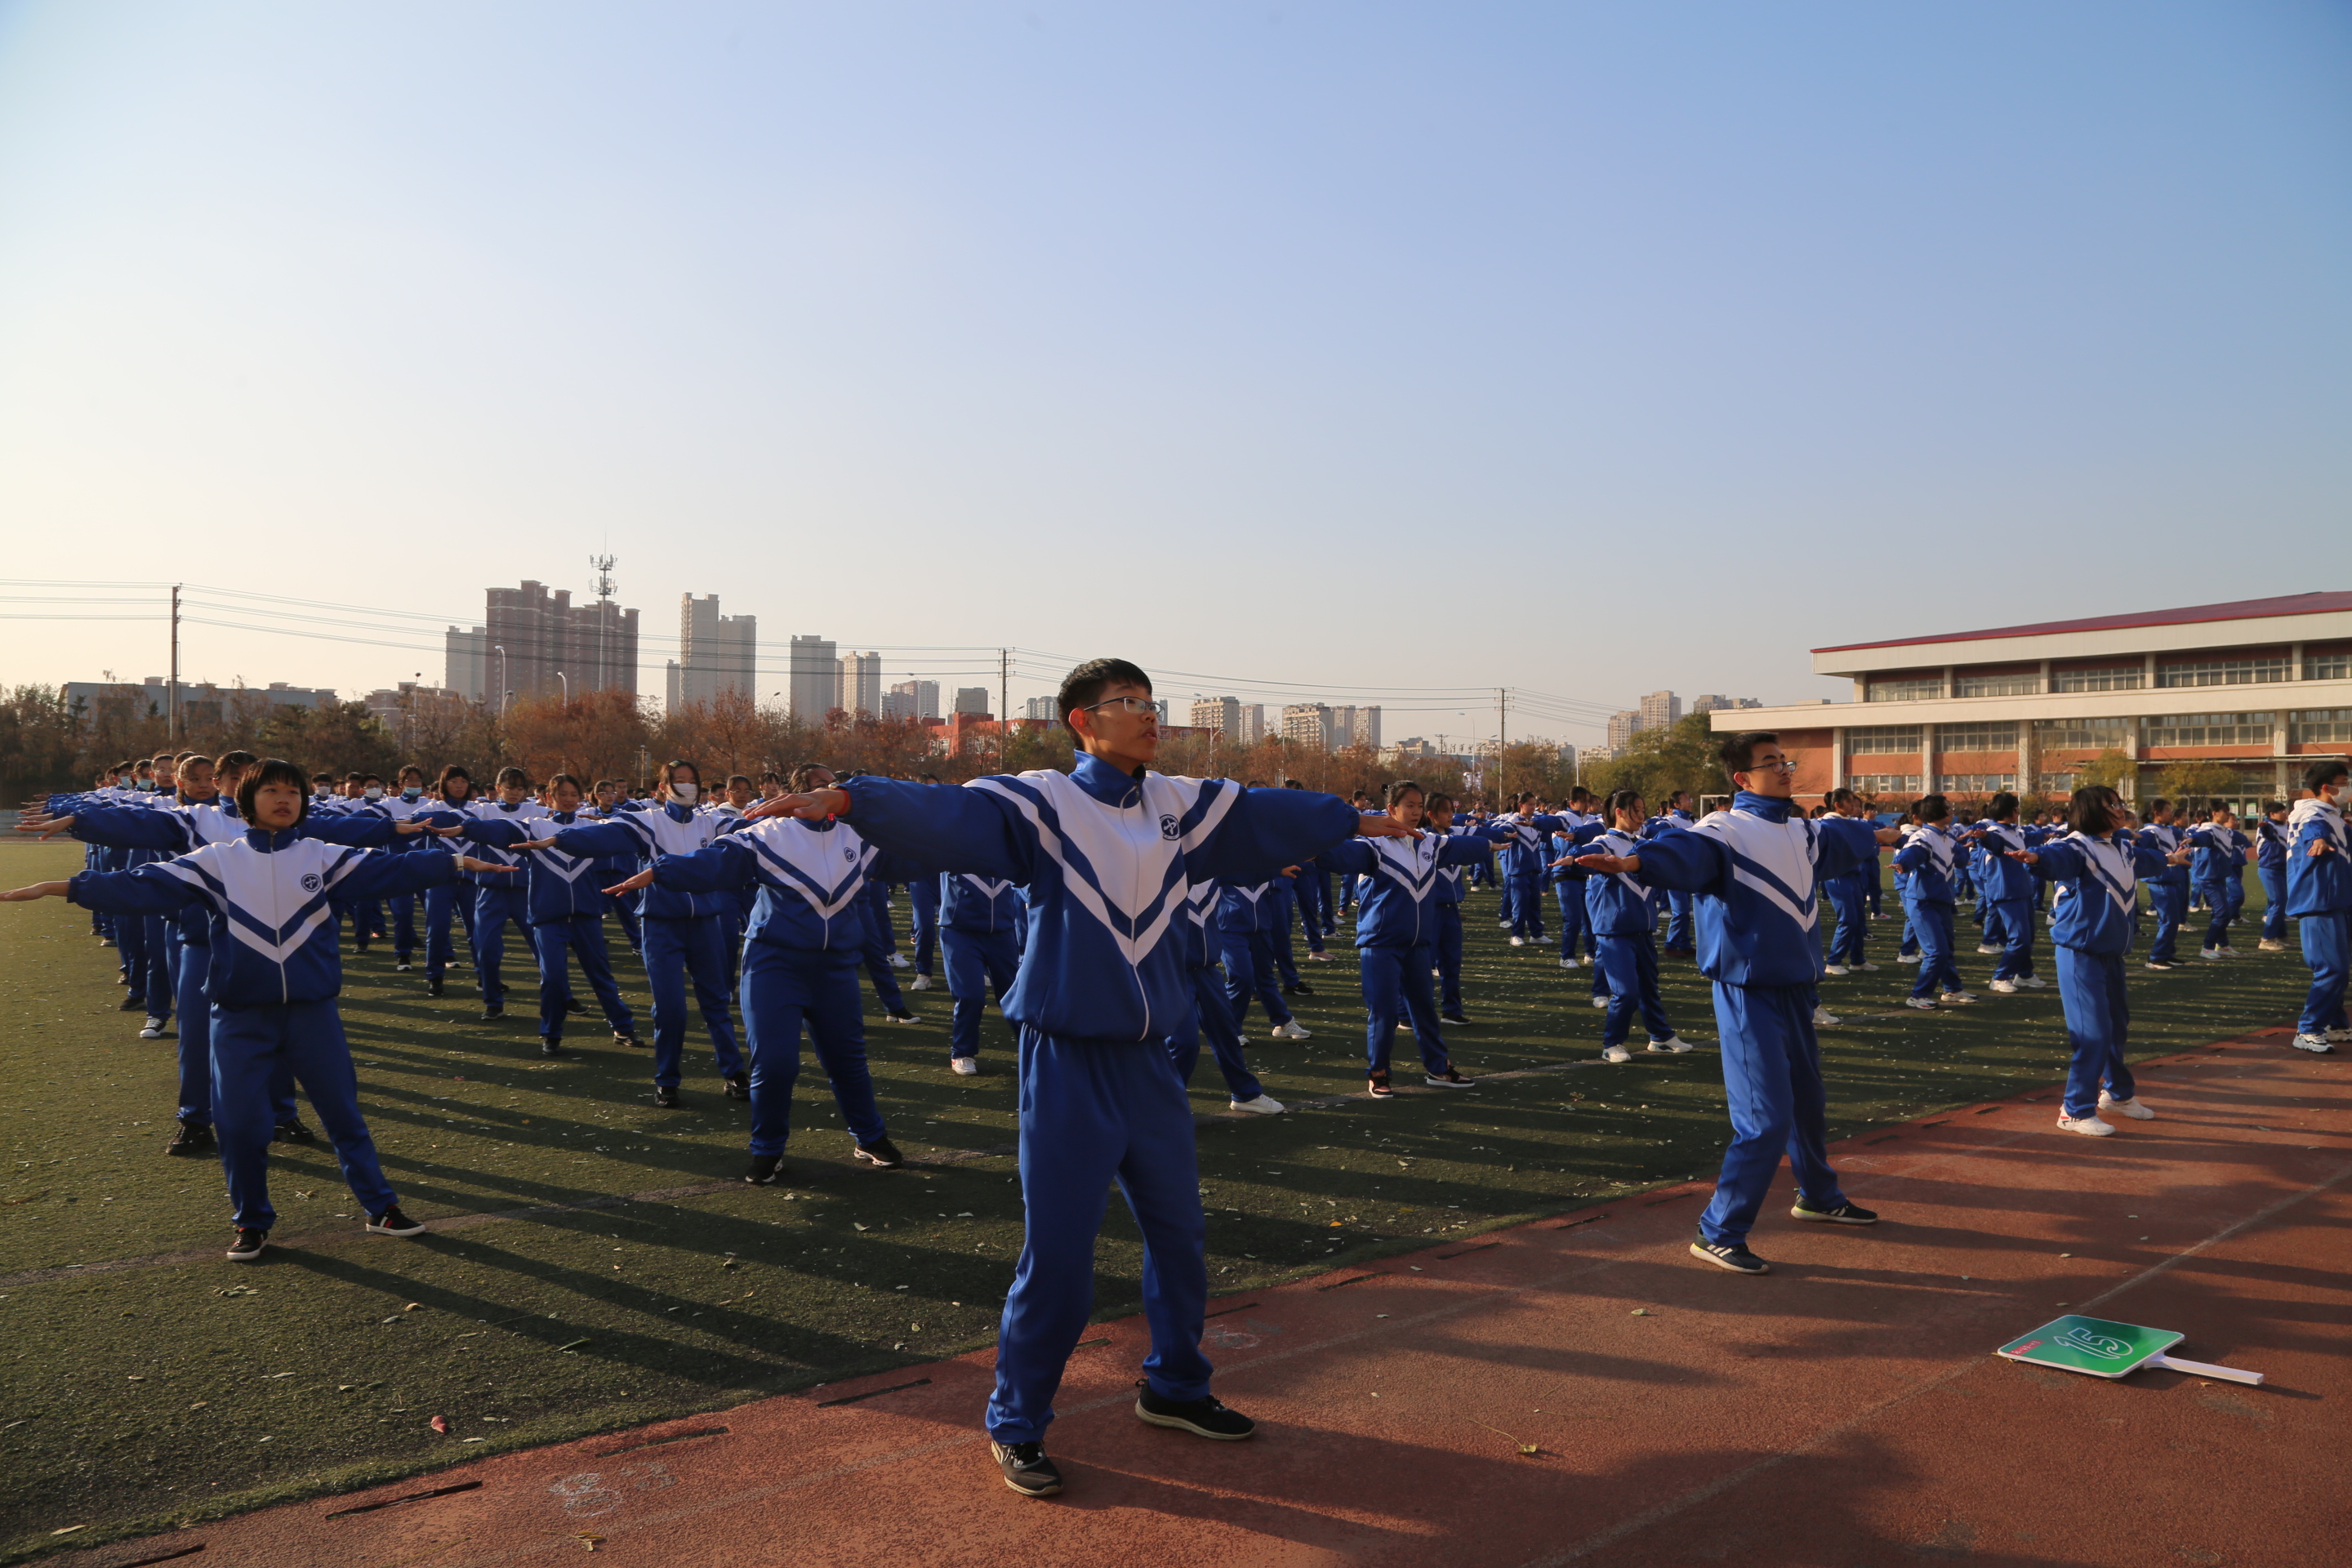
point(359, 947)
point(133, 1005)
point(1734, 1256)
point(1026, 1469)
point(665, 1096)
point(433, 985)
point(1454, 1016)
point(1450, 1079)
point(1844, 1214)
point(1300, 989)
point(401, 966)
point(882, 1153)
point(623, 1037)
point(492, 1014)
point(766, 1170)
point(247, 1247)
point(571, 1005)
point(189, 1138)
point(1381, 1089)
point(1206, 1417)
point(552, 1048)
point(291, 1131)
point(391, 1222)
point(739, 1087)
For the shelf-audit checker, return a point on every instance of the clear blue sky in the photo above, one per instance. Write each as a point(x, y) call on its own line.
point(1591, 349)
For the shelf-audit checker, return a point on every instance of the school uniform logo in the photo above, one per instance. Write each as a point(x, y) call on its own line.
point(1169, 826)
point(310, 881)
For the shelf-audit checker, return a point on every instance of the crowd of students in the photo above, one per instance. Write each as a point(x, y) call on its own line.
point(1118, 917)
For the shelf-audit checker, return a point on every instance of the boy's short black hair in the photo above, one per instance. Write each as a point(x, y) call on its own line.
point(1399, 789)
point(1084, 687)
point(2158, 803)
point(2001, 804)
point(2322, 774)
point(1738, 754)
point(1931, 808)
point(2271, 805)
point(275, 769)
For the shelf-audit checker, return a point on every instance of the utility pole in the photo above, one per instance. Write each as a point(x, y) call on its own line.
point(172, 702)
point(1502, 732)
point(1004, 707)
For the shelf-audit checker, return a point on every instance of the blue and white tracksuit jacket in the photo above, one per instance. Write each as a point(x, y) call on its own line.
point(1396, 934)
point(2094, 916)
point(2319, 895)
point(1623, 912)
point(1929, 862)
point(1109, 860)
point(980, 923)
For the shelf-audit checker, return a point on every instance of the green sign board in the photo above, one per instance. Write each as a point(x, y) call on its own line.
point(2104, 1349)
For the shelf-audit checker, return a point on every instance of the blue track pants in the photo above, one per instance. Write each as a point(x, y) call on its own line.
point(1845, 896)
point(1772, 1084)
point(783, 989)
point(1630, 964)
point(442, 902)
point(580, 937)
point(1931, 922)
point(1396, 979)
point(1250, 972)
point(1093, 1111)
point(253, 1048)
point(1215, 1018)
point(2273, 903)
point(2171, 902)
point(495, 907)
point(2226, 897)
point(1680, 932)
point(2324, 948)
point(2010, 922)
point(191, 962)
point(1448, 952)
point(677, 950)
point(2098, 1023)
point(979, 962)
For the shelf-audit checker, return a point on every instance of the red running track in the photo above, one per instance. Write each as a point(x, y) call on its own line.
point(1845, 1410)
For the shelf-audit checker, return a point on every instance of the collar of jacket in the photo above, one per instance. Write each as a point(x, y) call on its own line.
point(563, 818)
point(677, 813)
point(1106, 782)
point(261, 839)
point(1771, 808)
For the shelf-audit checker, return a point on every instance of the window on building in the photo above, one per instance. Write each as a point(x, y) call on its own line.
point(2055, 783)
point(1974, 784)
point(2080, 734)
point(1975, 737)
point(1884, 783)
point(1904, 689)
point(2009, 683)
point(2222, 671)
point(2334, 664)
point(2107, 677)
point(2320, 727)
point(2208, 730)
point(1896, 738)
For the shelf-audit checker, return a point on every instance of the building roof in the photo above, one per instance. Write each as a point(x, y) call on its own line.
point(2235, 610)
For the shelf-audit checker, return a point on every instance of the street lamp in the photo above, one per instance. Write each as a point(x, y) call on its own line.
point(503, 693)
point(567, 687)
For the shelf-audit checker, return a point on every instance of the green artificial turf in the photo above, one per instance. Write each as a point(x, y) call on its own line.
point(138, 1397)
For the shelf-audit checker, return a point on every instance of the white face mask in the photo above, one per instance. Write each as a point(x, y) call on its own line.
point(373, 792)
point(683, 793)
point(411, 792)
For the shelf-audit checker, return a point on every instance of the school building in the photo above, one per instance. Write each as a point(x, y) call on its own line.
point(2263, 687)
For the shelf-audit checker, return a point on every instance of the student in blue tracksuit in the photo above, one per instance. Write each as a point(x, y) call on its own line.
point(2095, 871)
point(404, 803)
point(564, 912)
point(1396, 937)
point(499, 901)
point(1756, 870)
point(881, 954)
point(453, 791)
point(1108, 853)
point(1847, 895)
point(1245, 913)
point(2169, 893)
point(275, 973)
point(1624, 917)
point(684, 930)
point(2218, 873)
point(2319, 896)
point(800, 952)
point(978, 916)
point(1446, 902)
point(1212, 1016)
point(1310, 891)
point(923, 897)
point(1526, 840)
point(1678, 943)
point(2005, 894)
point(1928, 861)
point(612, 798)
point(2270, 866)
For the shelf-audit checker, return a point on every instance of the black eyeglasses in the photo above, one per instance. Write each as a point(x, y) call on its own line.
point(1126, 705)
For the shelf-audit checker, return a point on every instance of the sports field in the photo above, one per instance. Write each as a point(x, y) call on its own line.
point(613, 1268)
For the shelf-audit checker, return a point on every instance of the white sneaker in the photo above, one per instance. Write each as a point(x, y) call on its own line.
point(1906, 958)
point(2131, 1108)
point(1601, 1002)
point(1293, 1030)
point(2226, 951)
point(2033, 982)
point(1987, 950)
point(1568, 963)
point(2088, 1126)
point(1264, 1105)
point(1323, 958)
point(2209, 954)
point(1925, 1004)
point(1616, 1054)
point(1825, 1019)
point(2267, 945)
point(898, 961)
point(2005, 987)
point(1519, 941)
point(1868, 968)
point(2338, 1036)
point(152, 1030)
point(1957, 998)
point(402, 968)
point(1673, 1043)
point(919, 983)
point(2316, 1044)
point(1835, 969)
point(964, 1066)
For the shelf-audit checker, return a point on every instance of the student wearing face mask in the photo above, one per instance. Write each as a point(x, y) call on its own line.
point(685, 931)
point(406, 801)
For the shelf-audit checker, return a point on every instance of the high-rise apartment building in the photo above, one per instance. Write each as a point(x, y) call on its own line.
point(718, 654)
point(1623, 725)
point(972, 699)
point(1661, 711)
point(860, 689)
point(535, 642)
point(1251, 728)
point(1222, 714)
point(1307, 723)
point(912, 700)
point(1045, 709)
point(1366, 729)
point(813, 684)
